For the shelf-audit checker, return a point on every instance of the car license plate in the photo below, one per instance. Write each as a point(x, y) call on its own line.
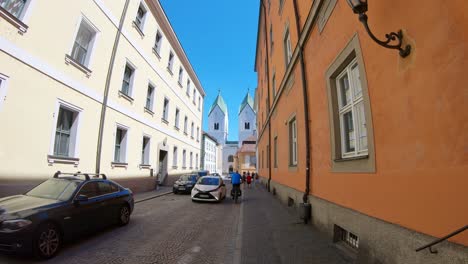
point(204, 195)
point(181, 188)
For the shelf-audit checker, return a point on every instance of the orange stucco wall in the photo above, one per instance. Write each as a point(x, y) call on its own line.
point(419, 114)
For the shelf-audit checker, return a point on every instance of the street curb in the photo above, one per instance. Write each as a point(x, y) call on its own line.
point(152, 197)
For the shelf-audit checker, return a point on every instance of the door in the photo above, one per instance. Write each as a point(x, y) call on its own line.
point(85, 215)
point(162, 165)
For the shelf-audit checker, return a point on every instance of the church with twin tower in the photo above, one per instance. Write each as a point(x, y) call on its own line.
point(218, 127)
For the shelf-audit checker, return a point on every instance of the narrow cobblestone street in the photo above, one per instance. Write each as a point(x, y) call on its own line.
point(173, 229)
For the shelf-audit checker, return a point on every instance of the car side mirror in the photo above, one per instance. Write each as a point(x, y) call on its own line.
point(80, 199)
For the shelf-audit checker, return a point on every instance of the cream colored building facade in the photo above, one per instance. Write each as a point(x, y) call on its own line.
point(96, 86)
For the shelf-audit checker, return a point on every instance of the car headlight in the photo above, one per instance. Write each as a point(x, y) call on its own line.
point(10, 226)
point(176, 185)
point(195, 189)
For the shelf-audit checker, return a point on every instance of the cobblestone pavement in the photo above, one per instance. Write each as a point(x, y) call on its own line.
point(172, 229)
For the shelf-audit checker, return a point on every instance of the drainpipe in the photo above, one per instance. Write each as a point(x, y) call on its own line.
point(305, 197)
point(106, 90)
point(268, 101)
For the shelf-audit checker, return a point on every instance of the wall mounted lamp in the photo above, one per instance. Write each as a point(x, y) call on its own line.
point(360, 7)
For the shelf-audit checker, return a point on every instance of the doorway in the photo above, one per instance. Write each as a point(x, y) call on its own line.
point(162, 173)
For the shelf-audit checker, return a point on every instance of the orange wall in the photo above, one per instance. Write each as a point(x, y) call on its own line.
point(419, 114)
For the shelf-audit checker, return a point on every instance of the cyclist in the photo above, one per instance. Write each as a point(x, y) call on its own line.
point(236, 181)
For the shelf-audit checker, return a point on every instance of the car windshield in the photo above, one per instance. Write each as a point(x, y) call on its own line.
point(187, 178)
point(209, 181)
point(54, 189)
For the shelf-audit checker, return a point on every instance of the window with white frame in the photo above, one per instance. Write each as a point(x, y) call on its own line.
point(145, 151)
point(199, 103)
point(177, 114)
point(188, 85)
point(351, 111)
point(84, 42)
point(184, 159)
point(191, 160)
point(140, 17)
point(158, 42)
point(185, 124)
point(165, 109)
point(192, 129)
point(120, 149)
point(187, 92)
point(181, 75)
point(150, 97)
point(196, 161)
point(127, 82)
point(174, 158)
point(292, 142)
point(170, 62)
point(14, 7)
point(66, 132)
point(287, 47)
point(194, 95)
point(198, 133)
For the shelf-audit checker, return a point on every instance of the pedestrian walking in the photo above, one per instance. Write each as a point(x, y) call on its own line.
point(249, 180)
point(243, 177)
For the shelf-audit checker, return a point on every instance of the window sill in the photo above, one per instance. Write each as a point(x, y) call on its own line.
point(174, 167)
point(22, 27)
point(79, 66)
point(191, 137)
point(116, 164)
point(51, 159)
point(164, 120)
point(126, 97)
point(149, 111)
point(185, 133)
point(194, 103)
point(184, 168)
point(170, 71)
point(138, 29)
point(352, 158)
point(155, 51)
point(180, 85)
point(145, 166)
point(176, 128)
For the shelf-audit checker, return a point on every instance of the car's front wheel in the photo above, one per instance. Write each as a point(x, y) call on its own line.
point(124, 215)
point(47, 241)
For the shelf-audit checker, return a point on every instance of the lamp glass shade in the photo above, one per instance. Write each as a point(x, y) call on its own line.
point(358, 6)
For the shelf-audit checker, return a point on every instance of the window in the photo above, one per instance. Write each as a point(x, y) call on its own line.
point(281, 2)
point(287, 47)
point(351, 110)
point(90, 190)
point(216, 126)
point(14, 7)
point(165, 109)
point(191, 160)
point(177, 114)
point(158, 43)
point(66, 132)
point(181, 75)
point(273, 86)
point(174, 158)
point(268, 156)
point(198, 133)
point(120, 155)
point(184, 159)
point(192, 130)
point(271, 38)
point(188, 85)
point(199, 102)
point(83, 44)
point(275, 157)
point(170, 62)
point(352, 148)
point(231, 158)
point(127, 80)
point(185, 124)
point(325, 12)
point(247, 125)
point(140, 17)
point(342, 235)
point(145, 151)
point(196, 161)
point(292, 142)
point(150, 97)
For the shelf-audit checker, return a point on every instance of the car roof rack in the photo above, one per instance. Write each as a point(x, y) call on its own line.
point(79, 173)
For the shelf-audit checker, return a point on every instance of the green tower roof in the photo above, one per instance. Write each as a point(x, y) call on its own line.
point(248, 100)
point(219, 101)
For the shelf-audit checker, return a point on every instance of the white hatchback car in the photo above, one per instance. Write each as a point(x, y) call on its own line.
point(209, 188)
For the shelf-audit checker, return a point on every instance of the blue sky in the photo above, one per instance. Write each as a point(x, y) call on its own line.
point(219, 38)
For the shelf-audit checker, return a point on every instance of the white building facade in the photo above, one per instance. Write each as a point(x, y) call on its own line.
point(210, 154)
point(114, 92)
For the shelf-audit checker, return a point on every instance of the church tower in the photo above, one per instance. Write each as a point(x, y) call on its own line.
point(247, 119)
point(218, 120)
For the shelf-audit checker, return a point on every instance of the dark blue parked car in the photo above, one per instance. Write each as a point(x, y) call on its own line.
point(58, 209)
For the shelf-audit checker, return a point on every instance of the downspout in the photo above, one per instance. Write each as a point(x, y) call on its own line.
point(305, 197)
point(106, 90)
point(268, 101)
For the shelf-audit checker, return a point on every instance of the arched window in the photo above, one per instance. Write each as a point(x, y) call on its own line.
point(231, 158)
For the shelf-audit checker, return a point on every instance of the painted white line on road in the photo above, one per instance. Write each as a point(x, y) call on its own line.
point(238, 250)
